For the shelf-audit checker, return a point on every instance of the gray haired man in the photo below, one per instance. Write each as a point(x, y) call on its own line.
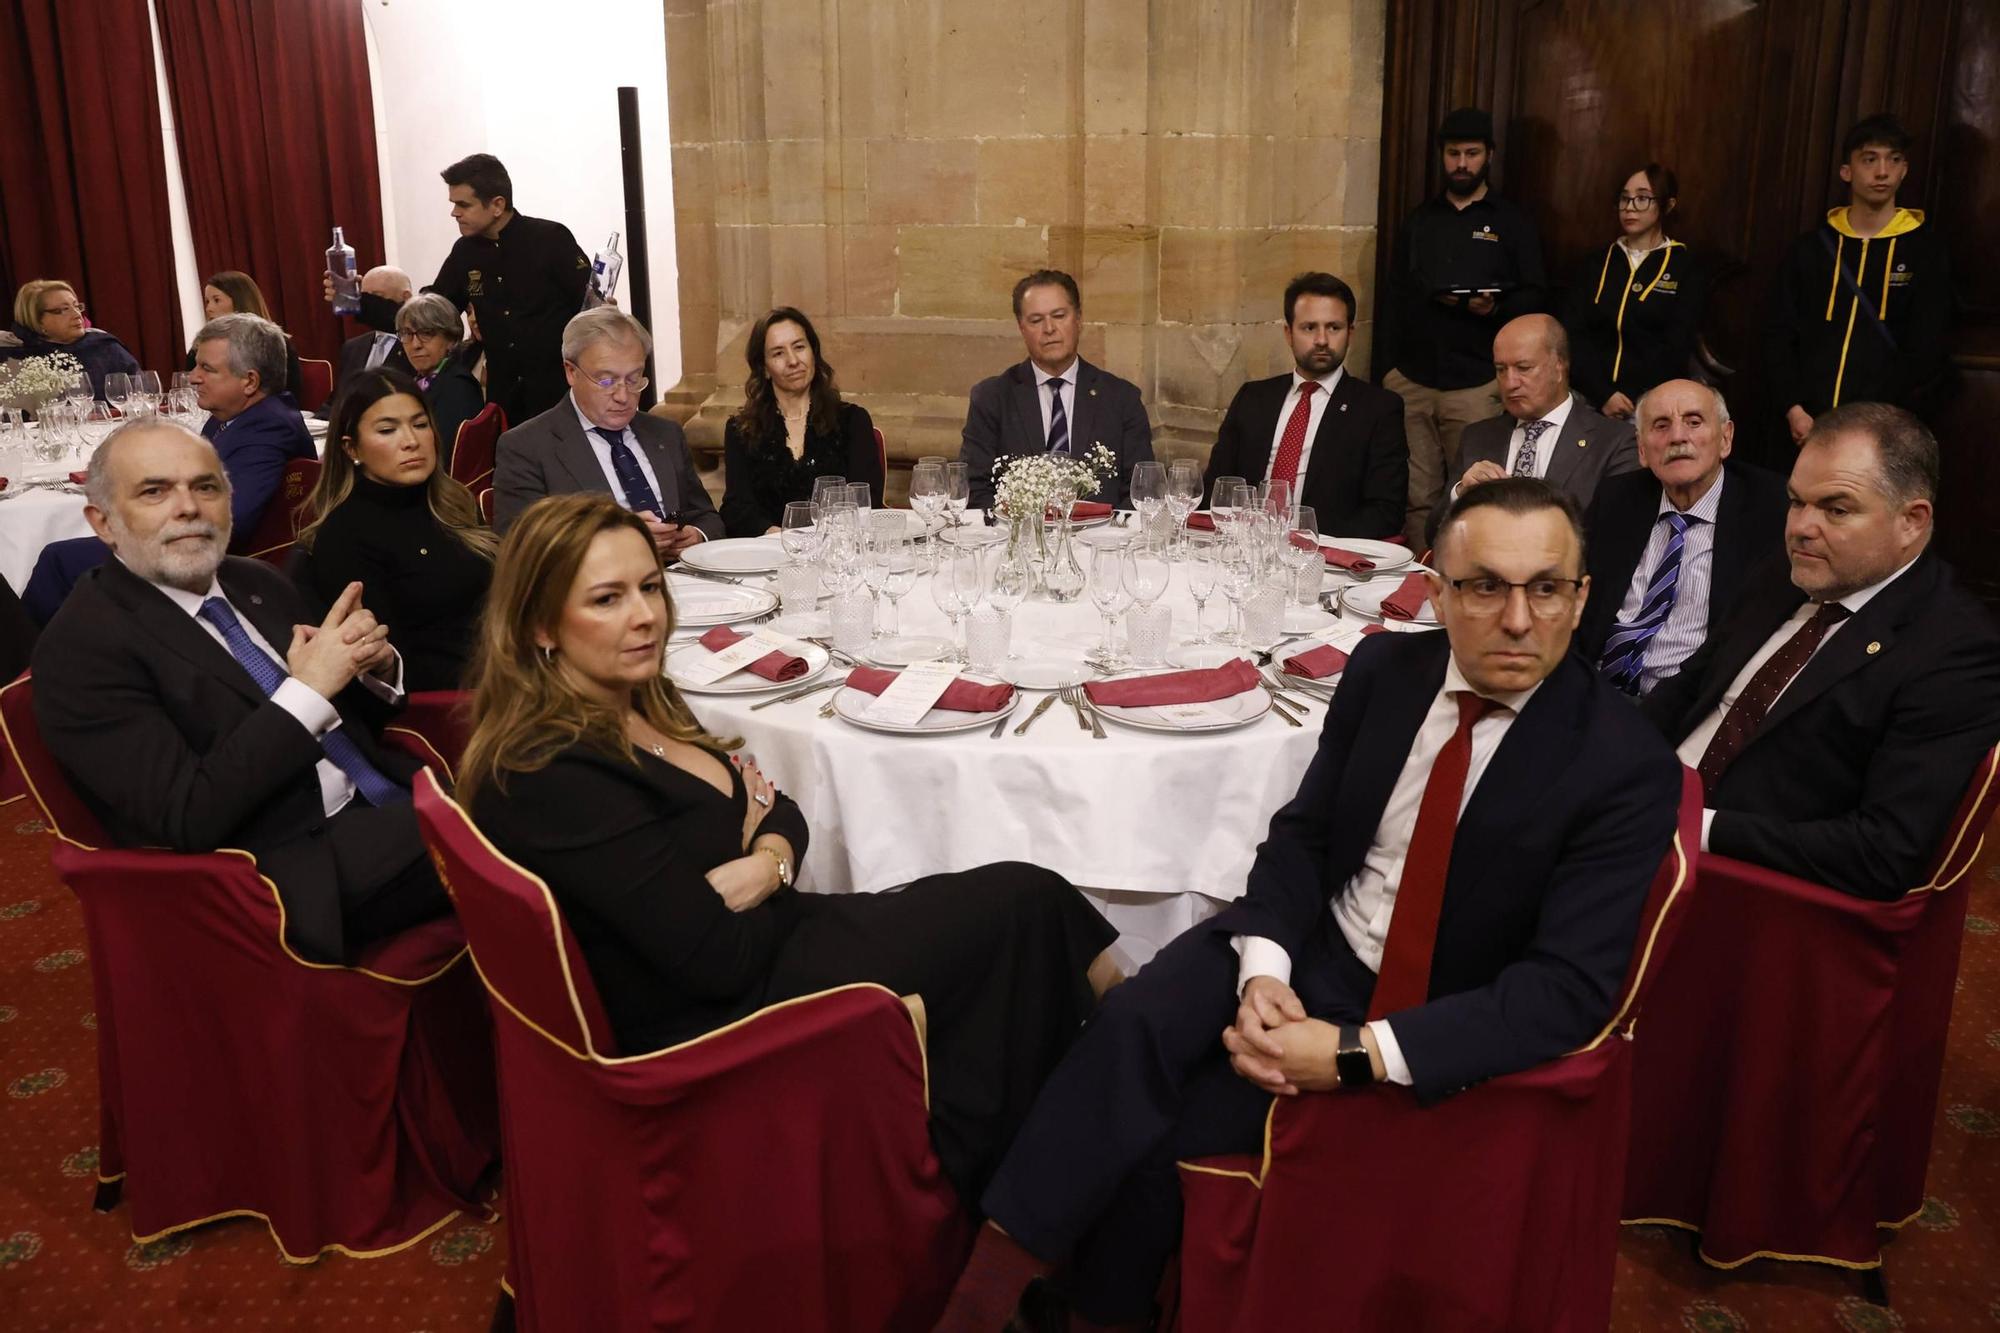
point(255, 426)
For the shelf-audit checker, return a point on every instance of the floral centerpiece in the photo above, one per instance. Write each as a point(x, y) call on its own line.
point(34, 380)
point(1034, 490)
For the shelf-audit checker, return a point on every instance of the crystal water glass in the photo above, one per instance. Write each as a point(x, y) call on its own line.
point(988, 631)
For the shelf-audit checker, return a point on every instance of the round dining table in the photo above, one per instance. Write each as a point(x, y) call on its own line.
point(1159, 829)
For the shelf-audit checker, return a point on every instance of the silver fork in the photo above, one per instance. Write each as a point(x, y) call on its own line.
point(1085, 709)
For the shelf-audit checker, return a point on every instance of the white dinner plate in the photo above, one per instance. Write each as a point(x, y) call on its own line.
point(1308, 619)
point(848, 705)
point(1081, 523)
point(743, 681)
point(1243, 709)
point(1365, 600)
point(1201, 656)
point(972, 537)
point(1045, 665)
point(1386, 555)
point(699, 604)
point(805, 625)
point(736, 555)
point(907, 649)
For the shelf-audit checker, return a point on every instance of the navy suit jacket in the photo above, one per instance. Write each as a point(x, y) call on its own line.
point(1550, 865)
point(255, 445)
point(1003, 416)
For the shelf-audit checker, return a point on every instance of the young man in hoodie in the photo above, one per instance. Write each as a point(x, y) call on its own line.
point(1863, 300)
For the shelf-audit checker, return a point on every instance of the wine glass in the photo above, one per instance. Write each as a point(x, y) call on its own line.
point(146, 388)
point(957, 491)
point(858, 497)
point(1222, 501)
point(1277, 496)
point(1236, 572)
point(1145, 572)
point(898, 558)
point(798, 533)
point(1149, 490)
point(948, 591)
point(927, 492)
point(1183, 490)
point(118, 390)
point(1199, 561)
point(1012, 577)
point(1107, 592)
point(1302, 555)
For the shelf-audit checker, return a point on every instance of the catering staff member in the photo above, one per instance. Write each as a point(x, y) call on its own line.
point(522, 278)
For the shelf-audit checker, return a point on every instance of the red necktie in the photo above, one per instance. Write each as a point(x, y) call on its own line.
point(1740, 723)
point(1293, 442)
point(1404, 980)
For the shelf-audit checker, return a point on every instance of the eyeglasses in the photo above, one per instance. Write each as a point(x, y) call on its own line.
point(1488, 596)
point(73, 308)
point(1638, 203)
point(611, 383)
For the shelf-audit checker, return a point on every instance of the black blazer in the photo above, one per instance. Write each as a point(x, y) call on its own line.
point(1004, 417)
point(1749, 531)
point(1550, 865)
point(1589, 448)
point(1642, 323)
point(1358, 477)
point(353, 360)
point(548, 455)
point(171, 744)
point(455, 397)
point(759, 476)
point(1858, 767)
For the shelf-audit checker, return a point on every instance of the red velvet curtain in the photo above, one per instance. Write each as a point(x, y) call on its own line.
point(83, 176)
point(277, 145)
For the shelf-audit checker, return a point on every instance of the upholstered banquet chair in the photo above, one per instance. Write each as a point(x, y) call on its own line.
point(774, 1174)
point(1496, 1209)
point(278, 527)
point(363, 1140)
point(1788, 1084)
point(473, 451)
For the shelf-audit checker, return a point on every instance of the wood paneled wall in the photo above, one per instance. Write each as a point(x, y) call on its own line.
point(1747, 102)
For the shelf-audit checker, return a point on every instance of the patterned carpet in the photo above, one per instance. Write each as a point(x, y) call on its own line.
point(63, 1267)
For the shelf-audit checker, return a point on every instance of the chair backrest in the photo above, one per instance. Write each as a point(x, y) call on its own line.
point(315, 383)
point(882, 458)
point(472, 451)
point(1665, 910)
point(61, 806)
point(525, 953)
point(278, 527)
point(1967, 832)
point(486, 504)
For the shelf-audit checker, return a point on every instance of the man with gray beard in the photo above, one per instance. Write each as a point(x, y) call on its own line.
point(195, 706)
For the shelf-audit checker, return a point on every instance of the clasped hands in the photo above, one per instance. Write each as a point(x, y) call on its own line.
point(350, 642)
point(1275, 1046)
point(751, 878)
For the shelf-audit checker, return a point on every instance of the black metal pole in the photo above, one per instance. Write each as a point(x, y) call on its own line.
point(638, 268)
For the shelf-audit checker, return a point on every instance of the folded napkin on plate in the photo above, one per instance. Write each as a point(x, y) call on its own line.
point(1176, 687)
point(1089, 509)
point(774, 665)
point(1202, 522)
point(80, 478)
point(3, 483)
point(1335, 557)
point(961, 696)
point(1407, 602)
point(1317, 663)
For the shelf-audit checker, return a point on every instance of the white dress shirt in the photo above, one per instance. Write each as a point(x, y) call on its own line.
point(602, 449)
point(1365, 904)
point(1696, 745)
point(1068, 392)
point(1321, 396)
point(304, 703)
point(1687, 623)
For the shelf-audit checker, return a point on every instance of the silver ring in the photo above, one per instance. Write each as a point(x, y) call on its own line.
point(761, 799)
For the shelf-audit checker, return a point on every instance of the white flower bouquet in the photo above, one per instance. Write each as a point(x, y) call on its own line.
point(1049, 483)
point(33, 380)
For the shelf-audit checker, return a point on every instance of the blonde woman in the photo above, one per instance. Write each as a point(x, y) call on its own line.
point(386, 515)
point(672, 856)
point(49, 317)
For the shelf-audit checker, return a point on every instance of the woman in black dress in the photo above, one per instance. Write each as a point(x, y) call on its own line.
point(793, 428)
point(673, 859)
point(385, 514)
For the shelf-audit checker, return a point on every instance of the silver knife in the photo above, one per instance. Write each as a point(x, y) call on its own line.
point(798, 694)
point(685, 570)
point(1040, 708)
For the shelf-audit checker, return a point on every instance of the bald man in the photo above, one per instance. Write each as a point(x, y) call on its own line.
point(1545, 430)
point(366, 351)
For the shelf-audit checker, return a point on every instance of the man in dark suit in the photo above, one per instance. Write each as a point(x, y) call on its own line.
point(1545, 431)
point(366, 351)
point(1337, 439)
point(1837, 717)
point(597, 439)
point(1452, 895)
point(1670, 546)
point(1017, 412)
point(195, 707)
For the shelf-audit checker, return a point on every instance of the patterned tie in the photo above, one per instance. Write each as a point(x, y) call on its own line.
point(1524, 462)
point(1058, 423)
point(1404, 980)
point(1293, 442)
point(1747, 713)
point(376, 787)
point(1624, 657)
point(632, 481)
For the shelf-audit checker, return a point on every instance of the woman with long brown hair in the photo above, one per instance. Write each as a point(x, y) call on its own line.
point(792, 429)
point(672, 856)
point(233, 293)
point(385, 513)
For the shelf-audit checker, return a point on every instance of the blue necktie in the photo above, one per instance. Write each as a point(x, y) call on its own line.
point(376, 787)
point(1625, 651)
point(1058, 423)
point(1531, 434)
point(625, 464)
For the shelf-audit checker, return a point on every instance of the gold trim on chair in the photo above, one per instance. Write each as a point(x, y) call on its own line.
point(1725, 1265)
point(289, 1257)
point(1646, 954)
point(1990, 767)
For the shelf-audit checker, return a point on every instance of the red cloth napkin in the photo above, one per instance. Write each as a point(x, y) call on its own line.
point(1408, 600)
point(1347, 560)
point(3, 483)
point(773, 665)
point(1317, 663)
point(1089, 509)
point(961, 696)
point(1175, 687)
point(80, 477)
point(1202, 522)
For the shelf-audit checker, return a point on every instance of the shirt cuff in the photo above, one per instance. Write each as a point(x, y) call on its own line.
point(389, 690)
point(306, 704)
point(1260, 958)
point(1394, 1068)
point(1707, 818)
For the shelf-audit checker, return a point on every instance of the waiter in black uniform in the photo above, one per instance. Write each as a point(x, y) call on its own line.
point(522, 277)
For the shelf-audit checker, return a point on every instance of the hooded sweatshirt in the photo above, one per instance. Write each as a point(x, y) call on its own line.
point(1859, 320)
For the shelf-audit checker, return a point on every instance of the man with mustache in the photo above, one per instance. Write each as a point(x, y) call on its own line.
point(1679, 538)
point(195, 706)
point(1465, 262)
point(1837, 717)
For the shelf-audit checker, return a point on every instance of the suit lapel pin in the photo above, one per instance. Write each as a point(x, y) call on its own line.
point(1582, 443)
point(1093, 393)
point(256, 600)
point(1343, 407)
point(1874, 647)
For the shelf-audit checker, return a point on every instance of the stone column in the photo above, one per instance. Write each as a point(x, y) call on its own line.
point(892, 166)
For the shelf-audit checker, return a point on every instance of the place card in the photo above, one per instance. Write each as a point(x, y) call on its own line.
point(912, 694)
point(706, 670)
point(1191, 715)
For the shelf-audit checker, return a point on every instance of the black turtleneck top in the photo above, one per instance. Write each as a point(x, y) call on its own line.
point(421, 581)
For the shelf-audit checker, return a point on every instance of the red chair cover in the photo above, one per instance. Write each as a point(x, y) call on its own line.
point(439, 720)
point(315, 383)
point(271, 540)
point(363, 1141)
point(1494, 1209)
point(1787, 1088)
point(472, 451)
point(774, 1174)
point(882, 458)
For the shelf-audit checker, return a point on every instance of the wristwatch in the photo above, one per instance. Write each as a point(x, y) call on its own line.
point(1351, 1066)
point(784, 866)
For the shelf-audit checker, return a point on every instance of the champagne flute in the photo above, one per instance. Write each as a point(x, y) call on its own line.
point(1302, 555)
point(927, 492)
point(1107, 592)
point(957, 491)
point(1236, 572)
point(899, 573)
point(947, 592)
point(1199, 561)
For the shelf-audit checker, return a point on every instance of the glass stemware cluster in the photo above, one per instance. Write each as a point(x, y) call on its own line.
point(1265, 546)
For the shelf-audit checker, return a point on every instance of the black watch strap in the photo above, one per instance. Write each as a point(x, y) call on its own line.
point(1351, 1064)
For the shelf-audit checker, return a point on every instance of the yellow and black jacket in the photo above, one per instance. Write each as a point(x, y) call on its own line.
point(1631, 328)
point(1857, 320)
